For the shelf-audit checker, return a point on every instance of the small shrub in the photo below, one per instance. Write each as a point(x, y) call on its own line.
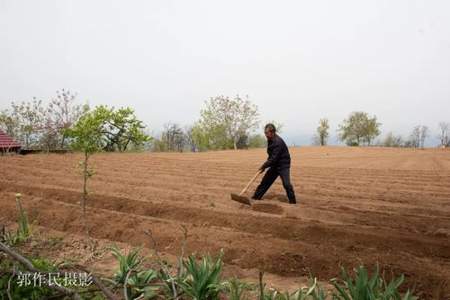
point(312, 292)
point(203, 280)
point(364, 287)
point(132, 274)
point(236, 289)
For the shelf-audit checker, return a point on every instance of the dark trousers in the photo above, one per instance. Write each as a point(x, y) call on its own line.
point(269, 179)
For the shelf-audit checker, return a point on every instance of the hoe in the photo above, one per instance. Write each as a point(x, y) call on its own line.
point(243, 199)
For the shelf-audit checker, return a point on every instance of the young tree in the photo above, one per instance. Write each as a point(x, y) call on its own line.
point(224, 120)
point(92, 133)
point(87, 136)
point(359, 128)
point(444, 129)
point(322, 132)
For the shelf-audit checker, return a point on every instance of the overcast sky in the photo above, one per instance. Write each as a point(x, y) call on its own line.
point(297, 60)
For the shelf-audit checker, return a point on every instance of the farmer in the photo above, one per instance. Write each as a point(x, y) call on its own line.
point(279, 164)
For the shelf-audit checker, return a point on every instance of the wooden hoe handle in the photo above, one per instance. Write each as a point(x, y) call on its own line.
point(250, 182)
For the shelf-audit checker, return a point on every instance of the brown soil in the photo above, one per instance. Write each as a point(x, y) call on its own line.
point(373, 206)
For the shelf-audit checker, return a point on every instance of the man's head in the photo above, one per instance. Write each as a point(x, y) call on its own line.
point(269, 131)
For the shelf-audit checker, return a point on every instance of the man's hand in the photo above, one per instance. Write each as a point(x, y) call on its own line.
point(262, 168)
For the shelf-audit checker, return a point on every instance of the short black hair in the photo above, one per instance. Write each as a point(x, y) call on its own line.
point(270, 127)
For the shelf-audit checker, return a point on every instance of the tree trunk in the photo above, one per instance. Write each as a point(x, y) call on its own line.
point(27, 141)
point(85, 192)
point(62, 141)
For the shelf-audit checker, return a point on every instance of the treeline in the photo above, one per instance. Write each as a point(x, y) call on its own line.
point(42, 126)
point(48, 126)
point(224, 123)
point(361, 129)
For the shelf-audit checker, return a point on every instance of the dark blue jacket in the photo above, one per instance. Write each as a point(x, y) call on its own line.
point(278, 154)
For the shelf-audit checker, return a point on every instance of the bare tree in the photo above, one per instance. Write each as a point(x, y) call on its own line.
point(42, 126)
point(414, 138)
point(62, 112)
point(189, 138)
point(423, 135)
point(29, 116)
point(322, 133)
point(418, 137)
point(444, 129)
point(173, 137)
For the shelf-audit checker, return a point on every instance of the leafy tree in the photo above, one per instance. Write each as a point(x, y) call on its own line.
point(359, 128)
point(29, 117)
point(392, 140)
point(224, 121)
point(96, 130)
point(210, 138)
point(158, 145)
point(9, 124)
point(87, 136)
point(257, 141)
point(322, 133)
point(120, 128)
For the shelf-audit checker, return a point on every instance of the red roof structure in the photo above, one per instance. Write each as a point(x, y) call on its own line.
point(7, 143)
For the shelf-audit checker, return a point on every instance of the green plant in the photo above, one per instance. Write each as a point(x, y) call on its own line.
point(138, 284)
point(132, 276)
point(314, 292)
point(365, 287)
point(127, 262)
point(236, 289)
point(171, 282)
point(23, 231)
point(203, 280)
point(11, 283)
point(311, 292)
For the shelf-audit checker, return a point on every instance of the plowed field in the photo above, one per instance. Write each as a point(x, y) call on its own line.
point(374, 206)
